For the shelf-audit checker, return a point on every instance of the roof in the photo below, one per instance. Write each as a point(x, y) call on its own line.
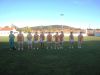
point(6, 29)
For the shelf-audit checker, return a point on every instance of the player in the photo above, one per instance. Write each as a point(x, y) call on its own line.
point(29, 40)
point(57, 40)
point(42, 37)
point(61, 37)
point(11, 40)
point(71, 39)
point(49, 40)
point(80, 40)
point(36, 38)
point(20, 40)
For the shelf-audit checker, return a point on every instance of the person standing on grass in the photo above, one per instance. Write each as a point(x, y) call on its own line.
point(29, 40)
point(11, 40)
point(42, 37)
point(61, 37)
point(71, 40)
point(80, 40)
point(20, 40)
point(57, 41)
point(36, 38)
point(49, 40)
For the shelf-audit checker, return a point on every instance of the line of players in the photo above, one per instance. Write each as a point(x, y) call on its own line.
point(52, 41)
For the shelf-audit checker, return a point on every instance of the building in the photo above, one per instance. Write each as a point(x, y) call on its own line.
point(4, 31)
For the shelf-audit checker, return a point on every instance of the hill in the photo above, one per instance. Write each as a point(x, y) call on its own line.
point(51, 28)
point(55, 28)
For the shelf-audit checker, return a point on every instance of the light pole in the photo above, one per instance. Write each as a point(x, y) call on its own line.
point(61, 20)
point(41, 27)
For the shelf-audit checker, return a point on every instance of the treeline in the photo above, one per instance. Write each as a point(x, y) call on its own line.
point(51, 28)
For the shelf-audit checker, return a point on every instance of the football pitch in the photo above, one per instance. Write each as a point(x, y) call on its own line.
point(84, 61)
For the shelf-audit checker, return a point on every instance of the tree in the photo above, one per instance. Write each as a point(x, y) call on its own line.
point(14, 26)
point(27, 29)
point(6, 26)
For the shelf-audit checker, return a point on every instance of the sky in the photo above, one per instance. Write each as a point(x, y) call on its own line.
point(76, 13)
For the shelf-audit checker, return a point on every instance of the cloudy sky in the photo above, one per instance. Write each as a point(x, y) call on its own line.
point(76, 13)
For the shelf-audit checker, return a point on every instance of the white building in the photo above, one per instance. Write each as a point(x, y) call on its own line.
point(4, 31)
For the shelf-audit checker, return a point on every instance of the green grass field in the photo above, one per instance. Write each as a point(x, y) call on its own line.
point(84, 61)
